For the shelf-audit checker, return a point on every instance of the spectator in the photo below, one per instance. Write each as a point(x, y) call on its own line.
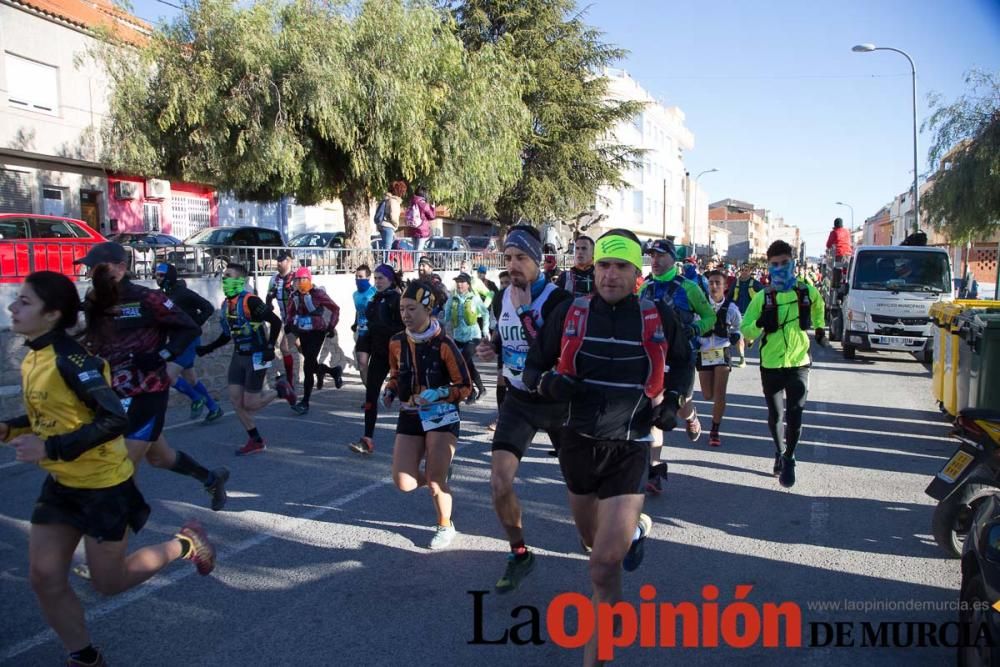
point(419, 217)
point(839, 239)
point(394, 205)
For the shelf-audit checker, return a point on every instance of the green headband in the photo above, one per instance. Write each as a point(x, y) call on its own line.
point(618, 247)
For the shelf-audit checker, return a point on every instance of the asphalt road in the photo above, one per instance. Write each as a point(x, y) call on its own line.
point(322, 560)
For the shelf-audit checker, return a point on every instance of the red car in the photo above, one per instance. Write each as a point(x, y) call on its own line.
point(30, 242)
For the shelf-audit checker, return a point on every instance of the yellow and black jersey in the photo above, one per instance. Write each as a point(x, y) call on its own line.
point(73, 408)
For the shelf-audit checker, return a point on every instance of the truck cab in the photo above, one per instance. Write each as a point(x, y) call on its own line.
point(885, 302)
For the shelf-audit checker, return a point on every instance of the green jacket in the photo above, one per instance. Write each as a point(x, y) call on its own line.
point(687, 301)
point(789, 346)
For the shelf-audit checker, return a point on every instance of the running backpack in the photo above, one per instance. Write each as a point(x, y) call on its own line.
point(721, 328)
point(769, 313)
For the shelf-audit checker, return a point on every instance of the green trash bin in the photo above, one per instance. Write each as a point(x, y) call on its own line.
point(984, 380)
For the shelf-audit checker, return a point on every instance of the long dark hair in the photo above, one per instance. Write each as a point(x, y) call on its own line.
point(100, 307)
point(57, 293)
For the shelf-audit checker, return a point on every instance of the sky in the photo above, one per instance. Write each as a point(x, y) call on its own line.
point(777, 101)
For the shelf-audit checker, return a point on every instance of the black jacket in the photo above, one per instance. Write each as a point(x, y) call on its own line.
point(197, 307)
point(608, 412)
point(384, 321)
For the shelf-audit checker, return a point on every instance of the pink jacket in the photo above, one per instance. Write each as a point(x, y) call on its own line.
point(427, 213)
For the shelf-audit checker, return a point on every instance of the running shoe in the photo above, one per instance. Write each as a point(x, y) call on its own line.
point(197, 407)
point(285, 390)
point(213, 415)
point(252, 447)
point(363, 446)
point(82, 570)
point(693, 428)
point(202, 553)
point(657, 477)
point(319, 379)
point(714, 440)
point(777, 464)
point(443, 537)
point(585, 548)
point(787, 476)
point(76, 662)
point(633, 559)
point(493, 424)
point(517, 570)
point(338, 376)
point(300, 408)
point(742, 363)
point(217, 489)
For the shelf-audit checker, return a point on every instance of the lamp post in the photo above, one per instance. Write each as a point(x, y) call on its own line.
point(865, 48)
point(695, 203)
point(840, 203)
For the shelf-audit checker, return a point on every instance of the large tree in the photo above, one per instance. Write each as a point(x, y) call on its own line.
point(965, 198)
point(318, 100)
point(570, 151)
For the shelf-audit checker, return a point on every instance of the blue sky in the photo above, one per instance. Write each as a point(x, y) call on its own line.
point(793, 120)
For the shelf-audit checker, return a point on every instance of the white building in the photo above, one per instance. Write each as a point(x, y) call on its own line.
point(653, 205)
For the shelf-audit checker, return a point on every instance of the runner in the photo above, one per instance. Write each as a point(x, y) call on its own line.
point(279, 289)
point(467, 318)
point(665, 282)
point(745, 287)
point(73, 430)
point(384, 322)
point(139, 331)
point(304, 318)
point(495, 308)
point(715, 356)
point(526, 304)
point(612, 350)
point(578, 280)
point(482, 271)
point(479, 288)
point(429, 377)
point(198, 309)
point(242, 318)
point(425, 273)
point(364, 294)
point(791, 308)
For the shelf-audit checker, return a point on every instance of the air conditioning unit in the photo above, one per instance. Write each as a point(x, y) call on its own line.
point(157, 188)
point(126, 190)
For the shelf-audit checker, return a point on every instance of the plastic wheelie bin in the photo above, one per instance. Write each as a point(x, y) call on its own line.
point(984, 344)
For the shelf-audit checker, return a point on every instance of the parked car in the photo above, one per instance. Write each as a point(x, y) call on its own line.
point(145, 249)
point(318, 240)
point(223, 245)
point(483, 244)
point(445, 251)
point(313, 249)
point(31, 242)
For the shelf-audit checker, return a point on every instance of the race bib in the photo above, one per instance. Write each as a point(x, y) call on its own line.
point(304, 323)
point(716, 357)
point(258, 362)
point(436, 415)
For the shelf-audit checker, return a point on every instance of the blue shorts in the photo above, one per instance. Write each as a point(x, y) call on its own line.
point(186, 358)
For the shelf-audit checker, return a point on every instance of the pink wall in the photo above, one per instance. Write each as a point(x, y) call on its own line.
point(128, 212)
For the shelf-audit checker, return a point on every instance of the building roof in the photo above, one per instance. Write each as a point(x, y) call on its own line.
point(732, 203)
point(90, 15)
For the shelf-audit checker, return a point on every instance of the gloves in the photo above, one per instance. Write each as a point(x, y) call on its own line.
point(734, 338)
point(557, 386)
point(147, 361)
point(268, 354)
point(202, 350)
point(431, 395)
point(821, 337)
point(665, 416)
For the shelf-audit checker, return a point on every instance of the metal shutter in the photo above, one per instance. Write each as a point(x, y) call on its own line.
point(15, 191)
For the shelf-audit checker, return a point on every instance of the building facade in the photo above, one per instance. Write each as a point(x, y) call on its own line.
point(747, 227)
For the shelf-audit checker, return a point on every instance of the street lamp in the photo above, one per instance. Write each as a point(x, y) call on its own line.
point(840, 203)
point(691, 208)
point(865, 48)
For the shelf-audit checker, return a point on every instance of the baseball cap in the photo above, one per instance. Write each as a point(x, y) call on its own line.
point(426, 260)
point(108, 252)
point(463, 278)
point(482, 269)
point(662, 246)
point(284, 254)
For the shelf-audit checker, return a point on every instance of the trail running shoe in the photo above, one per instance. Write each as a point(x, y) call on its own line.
point(585, 548)
point(252, 447)
point(202, 553)
point(99, 662)
point(300, 408)
point(443, 537)
point(742, 363)
point(217, 489)
point(517, 570)
point(363, 446)
point(787, 476)
point(197, 407)
point(657, 477)
point(714, 440)
point(319, 379)
point(693, 428)
point(213, 415)
point(338, 376)
point(633, 559)
point(285, 391)
point(82, 570)
point(777, 464)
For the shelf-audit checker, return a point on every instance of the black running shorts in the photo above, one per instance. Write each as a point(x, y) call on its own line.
point(607, 468)
point(146, 415)
point(409, 424)
point(521, 418)
point(242, 374)
point(104, 514)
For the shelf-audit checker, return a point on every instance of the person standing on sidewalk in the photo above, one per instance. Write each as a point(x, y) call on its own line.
point(393, 209)
point(782, 316)
point(198, 309)
point(527, 304)
point(467, 321)
point(305, 319)
point(428, 375)
point(362, 296)
point(278, 291)
point(139, 332)
point(253, 327)
point(714, 357)
point(614, 353)
point(419, 216)
point(73, 430)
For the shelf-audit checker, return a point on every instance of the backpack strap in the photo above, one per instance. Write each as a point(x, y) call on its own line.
point(574, 329)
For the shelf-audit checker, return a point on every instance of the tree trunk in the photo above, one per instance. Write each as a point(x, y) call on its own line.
point(357, 217)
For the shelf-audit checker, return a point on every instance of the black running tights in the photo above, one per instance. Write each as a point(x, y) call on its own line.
point(378, 370)
point(785, 391)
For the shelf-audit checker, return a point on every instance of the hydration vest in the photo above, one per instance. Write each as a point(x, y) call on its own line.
point(769, 313)
point(654, 342)
point(248, 336)
point(463, 313)
point(736, 290)
point(721, 328)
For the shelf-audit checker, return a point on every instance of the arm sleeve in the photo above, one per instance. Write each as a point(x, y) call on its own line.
point(203, 308)
point(544, 351)
point(699, 304)
point(259, 312)
point(392, 383)
point(817, 309)
point(461, 382)
point(680, 372)
point(749, 328)
point(87, 382)
point(181, 329)
point(18, 426)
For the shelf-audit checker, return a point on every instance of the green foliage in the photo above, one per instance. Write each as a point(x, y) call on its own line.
point(569, 152)
point(318, 100)
point(965, 197)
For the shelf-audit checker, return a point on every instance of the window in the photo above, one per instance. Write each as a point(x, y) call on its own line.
point(54, 229)
point(269, 237)
point(13, 228)
point(15, 191)
point(31, 85)
point(188, 215)
point(637, 202)
point(52, 201)
point(151, 217)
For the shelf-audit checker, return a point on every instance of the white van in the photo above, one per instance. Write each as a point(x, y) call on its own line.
point(889, 292)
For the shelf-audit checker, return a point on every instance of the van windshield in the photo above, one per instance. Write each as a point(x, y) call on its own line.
point(899, 271)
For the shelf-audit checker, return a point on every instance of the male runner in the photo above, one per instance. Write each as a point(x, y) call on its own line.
point(280, 288)
point(578, 280)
